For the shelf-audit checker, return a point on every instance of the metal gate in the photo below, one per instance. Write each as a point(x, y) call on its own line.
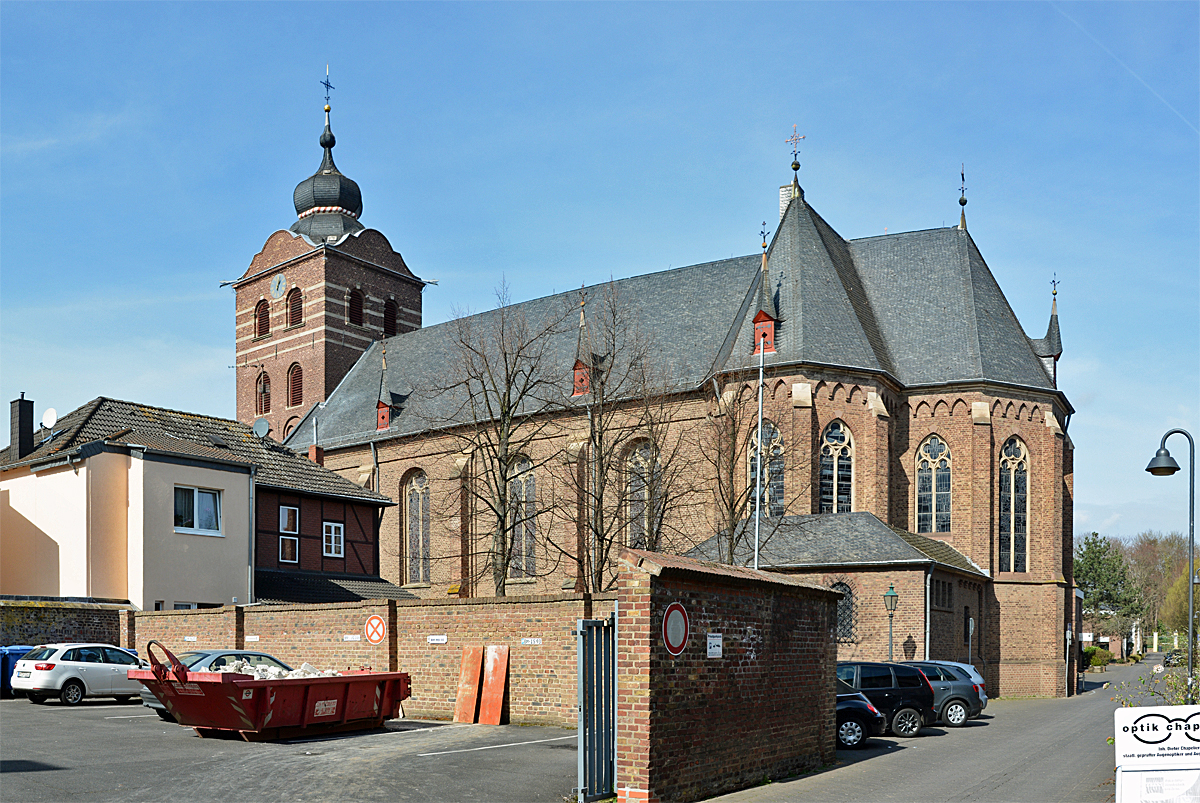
point(597, 657)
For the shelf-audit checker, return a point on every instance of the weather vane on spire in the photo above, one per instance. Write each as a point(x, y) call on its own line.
point(962, 190)
point(764, 234)
point(794, 141)
point(1054, 283)
point(328, 86)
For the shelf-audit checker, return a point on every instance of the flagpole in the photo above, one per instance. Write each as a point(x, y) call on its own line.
point(762, 354)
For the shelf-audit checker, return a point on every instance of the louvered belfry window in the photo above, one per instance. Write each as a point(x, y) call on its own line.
point(295, 385)
point(391, 318)
point(295, 308)
point(262, 319)
point(263, 394)
point(355, 313)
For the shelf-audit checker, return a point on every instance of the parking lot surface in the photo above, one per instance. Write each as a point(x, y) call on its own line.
point(102, 751)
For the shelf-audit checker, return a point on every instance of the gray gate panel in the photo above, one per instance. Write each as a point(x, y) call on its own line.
point(596, 650)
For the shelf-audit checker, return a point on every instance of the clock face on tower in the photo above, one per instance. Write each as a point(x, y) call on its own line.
point(278, 285)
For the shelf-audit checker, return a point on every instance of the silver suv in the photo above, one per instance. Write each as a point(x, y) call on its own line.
point(955, 696)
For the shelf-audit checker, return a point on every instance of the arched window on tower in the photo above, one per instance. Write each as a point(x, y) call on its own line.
point(262, 394)
point(416, 527)
point(1014, 506)
point(295, 385)
point(836, 470)
point(262, 319)
point(772, 489)
point(845, 614)
point(354, 312)
point(295, 307)
point(643, 496)
point(391, 318)
point(522, 511)
point(933, 486)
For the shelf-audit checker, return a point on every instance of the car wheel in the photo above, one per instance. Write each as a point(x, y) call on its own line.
point(906, 722)
point(851, 734)
point(72, 693)
point(36, 699)
point(164, 715)
point(955, 714)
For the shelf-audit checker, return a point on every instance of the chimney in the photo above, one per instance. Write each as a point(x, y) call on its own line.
point(21, 426)
point(316, 454)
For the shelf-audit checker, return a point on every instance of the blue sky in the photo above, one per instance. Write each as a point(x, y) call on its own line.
point(147, 150)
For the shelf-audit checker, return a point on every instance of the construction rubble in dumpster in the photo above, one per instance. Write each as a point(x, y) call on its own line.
point(264, 672)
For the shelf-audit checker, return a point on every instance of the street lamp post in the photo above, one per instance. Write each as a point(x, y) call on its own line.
point(1163, 465)
point(890, 598)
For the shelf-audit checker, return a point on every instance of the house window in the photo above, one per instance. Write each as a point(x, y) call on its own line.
point(845, 613)
point(836, 470)
point(197, 511)
point(391, 318)
point(943, 594)
point(289, 549)
point(185, 606)
point(416, 508)
point(295, 385)
point(262, 394)
point(933, 486)
point(1014, 506)
point(583, 379)
point(335, 540)
point(522, 510)
point(772, 490)
point(354, 313)
point(289, 519)
point(295, 307)
point(262, 319)
point(643, 496)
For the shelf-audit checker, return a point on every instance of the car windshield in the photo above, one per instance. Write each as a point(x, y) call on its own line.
point(189, 659)
point(39, 654)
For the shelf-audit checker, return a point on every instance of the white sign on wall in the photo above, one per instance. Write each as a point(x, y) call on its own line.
point(251, 638)
point(535, 640)
point(714, 645)
point(435, 639)
point(1161, 735)
point(1085, 636)
point(352, 637)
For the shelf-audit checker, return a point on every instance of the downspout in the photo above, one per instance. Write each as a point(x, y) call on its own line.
point(253, 537)
point(928, 581)
point(375, 464)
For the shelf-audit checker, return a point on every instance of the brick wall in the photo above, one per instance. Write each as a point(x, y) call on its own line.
point(689, 726)
point(35, 622)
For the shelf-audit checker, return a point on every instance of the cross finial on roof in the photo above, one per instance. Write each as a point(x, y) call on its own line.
point(763, 233)
point(962, 198)
point(794, 141)
point(1054, 283)
point(328, 86)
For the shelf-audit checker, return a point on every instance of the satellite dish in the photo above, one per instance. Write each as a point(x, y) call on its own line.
point(262, 427)
point(49, 418)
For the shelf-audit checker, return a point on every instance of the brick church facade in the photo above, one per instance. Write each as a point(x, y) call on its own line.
point(916, 435)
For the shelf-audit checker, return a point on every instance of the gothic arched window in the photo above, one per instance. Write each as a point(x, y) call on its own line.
point(295, 385)
point(845, 613)
point(295, 307)
point(522, 511)
point(933, 486)
point(354, 312)
point(836, 470)
point(262, 394)
point(262, 319)
point(1014, 506)
point(391, 318)
point(772, 488)
point(416, 527)
point(643, 496)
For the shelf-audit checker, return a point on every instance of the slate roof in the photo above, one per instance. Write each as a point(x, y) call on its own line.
point(837, 540)
point(127, 424)
point(920, 307)
point(281, 588)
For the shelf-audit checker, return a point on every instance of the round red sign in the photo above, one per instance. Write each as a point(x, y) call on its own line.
point(375, 629)
point(675, 628)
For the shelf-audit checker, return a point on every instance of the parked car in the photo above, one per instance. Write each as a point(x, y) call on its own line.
point(857, 719)
point(901, 693)
point(74, 671)
point(208, 661)
point(955, 695)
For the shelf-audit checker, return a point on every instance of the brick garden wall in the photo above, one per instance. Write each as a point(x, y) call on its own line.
point(689, 726)
point(35, 622)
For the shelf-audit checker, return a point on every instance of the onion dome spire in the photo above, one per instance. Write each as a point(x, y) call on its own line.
point(328, 204)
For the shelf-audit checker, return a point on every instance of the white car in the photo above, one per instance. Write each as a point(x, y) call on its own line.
point(71, 672)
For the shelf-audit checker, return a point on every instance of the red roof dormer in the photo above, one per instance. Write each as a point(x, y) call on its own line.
point(764, 333)
point(383, 414)
point(583, 379)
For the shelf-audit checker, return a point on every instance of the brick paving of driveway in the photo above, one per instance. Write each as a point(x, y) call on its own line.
point(1020, 751)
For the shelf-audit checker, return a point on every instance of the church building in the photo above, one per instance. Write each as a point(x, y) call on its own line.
point(915, 437)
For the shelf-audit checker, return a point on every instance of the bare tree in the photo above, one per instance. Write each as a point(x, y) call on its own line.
point(502, 385)
point(1155, 560)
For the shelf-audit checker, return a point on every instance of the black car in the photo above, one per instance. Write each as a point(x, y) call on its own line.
point(901, 693)
point(857, 719)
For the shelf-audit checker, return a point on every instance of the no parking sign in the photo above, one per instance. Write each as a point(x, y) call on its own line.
point(375, 629)
point(675, 628)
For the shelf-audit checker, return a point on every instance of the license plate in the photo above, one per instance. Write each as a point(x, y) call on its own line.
point(22, 674)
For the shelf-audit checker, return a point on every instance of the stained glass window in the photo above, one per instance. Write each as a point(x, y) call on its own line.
point(836, 482)
point(522, 513)
point(1014, 506)
point(416, 501)
point(933, 486)
point(643, 495)
point(772, 491)
point(845, 613)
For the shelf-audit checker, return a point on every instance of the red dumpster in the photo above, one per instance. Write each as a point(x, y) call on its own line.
point(228, 703)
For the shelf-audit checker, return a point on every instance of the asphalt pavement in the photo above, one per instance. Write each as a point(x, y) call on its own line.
point(1019, 751)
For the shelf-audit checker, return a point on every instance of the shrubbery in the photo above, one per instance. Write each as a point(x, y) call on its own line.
point(1096, 656)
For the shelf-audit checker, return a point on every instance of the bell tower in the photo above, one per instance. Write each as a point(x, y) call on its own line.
point(314, 298)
